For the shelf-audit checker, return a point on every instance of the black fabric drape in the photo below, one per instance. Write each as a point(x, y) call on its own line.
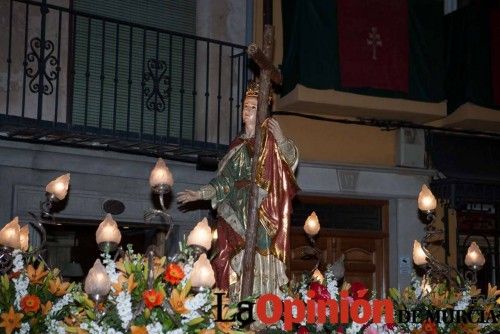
point(468, 63)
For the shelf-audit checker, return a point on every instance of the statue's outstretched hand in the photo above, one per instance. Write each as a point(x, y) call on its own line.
point(187, 196)
point(275, 129)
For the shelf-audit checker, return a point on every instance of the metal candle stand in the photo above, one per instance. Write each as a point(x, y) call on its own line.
point(45, 217)
point(436, 271)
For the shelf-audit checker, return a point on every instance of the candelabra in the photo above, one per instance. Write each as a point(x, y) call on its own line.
point(436, 271)
point(108, 237)
point(13, 237)
point(311, 252)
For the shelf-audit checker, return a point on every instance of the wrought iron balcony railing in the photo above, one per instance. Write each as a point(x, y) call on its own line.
point(74, 78)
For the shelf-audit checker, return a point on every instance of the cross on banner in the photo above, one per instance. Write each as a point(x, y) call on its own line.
point(374, 40)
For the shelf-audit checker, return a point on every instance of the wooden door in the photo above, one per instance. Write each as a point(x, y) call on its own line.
point(366, 252)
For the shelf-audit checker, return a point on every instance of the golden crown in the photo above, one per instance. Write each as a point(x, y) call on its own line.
point(253, 88)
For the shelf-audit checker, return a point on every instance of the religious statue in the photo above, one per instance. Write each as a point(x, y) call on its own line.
point(229, 193)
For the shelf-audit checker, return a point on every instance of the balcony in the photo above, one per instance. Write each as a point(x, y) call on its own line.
point(73, 78)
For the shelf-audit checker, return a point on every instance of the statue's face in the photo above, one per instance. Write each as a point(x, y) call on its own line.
point(250, 110)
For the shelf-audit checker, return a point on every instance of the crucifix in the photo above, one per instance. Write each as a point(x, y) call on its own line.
point(268, 73)
point(374, 40)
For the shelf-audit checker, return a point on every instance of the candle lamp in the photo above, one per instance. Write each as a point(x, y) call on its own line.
point(58, 187)
point(419, 256)
point(10, 235)
point(202, 276)
point(311, 225)
point(9, 241)
point(474, 258)
point(200, 238)
point(160, 179)
point(108, 235)
point(426, 200)
point(97, 283)
point(56, 190)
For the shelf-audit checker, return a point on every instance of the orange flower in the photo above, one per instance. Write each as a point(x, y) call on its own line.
point(152, 298)
point(493, 292)
point(120, 265)
point(207, 331)
point(177, 300)
point(36, 276)
point(131, 284)
point(474, 292)
point(429, 327)
point(158, 265)
point(58, 288)
point(174, 273)
point(138, 330)
point(11, 320)
point(46, 308)
point(30, 303)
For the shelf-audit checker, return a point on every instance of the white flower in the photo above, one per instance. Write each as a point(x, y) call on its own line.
point(187, 273)
point(354, 328)
point(21, 286)
point(175, 331)
point(113, 331)
point(464, 302)
point(303, 292)
point(17, 263)
point(187, 317)
point(332, 286)
point(155, 328)
point(54, 327)
point(67, 299)
point(197, 302)
point(124, 307)
point(25, 328)
point(110, 268)
point(93, 328)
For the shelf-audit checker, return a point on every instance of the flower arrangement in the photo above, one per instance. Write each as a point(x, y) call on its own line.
point(438, 308)
point(33, 298)
point(168, 304)
point(317, 289)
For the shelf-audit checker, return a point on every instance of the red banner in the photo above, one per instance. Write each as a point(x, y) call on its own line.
point(373, 44)
point(495, 54)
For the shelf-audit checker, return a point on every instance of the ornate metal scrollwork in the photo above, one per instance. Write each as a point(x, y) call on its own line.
point(155, 76)
point(42, 63)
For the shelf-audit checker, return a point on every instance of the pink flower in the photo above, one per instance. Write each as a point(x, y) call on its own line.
point(372, 329)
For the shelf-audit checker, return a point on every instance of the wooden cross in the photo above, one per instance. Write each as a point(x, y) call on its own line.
point(268, 73)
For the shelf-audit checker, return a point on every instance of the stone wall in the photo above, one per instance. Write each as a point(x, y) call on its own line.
point(96, 176)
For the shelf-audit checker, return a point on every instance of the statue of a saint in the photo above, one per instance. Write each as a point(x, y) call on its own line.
point(229, 192)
